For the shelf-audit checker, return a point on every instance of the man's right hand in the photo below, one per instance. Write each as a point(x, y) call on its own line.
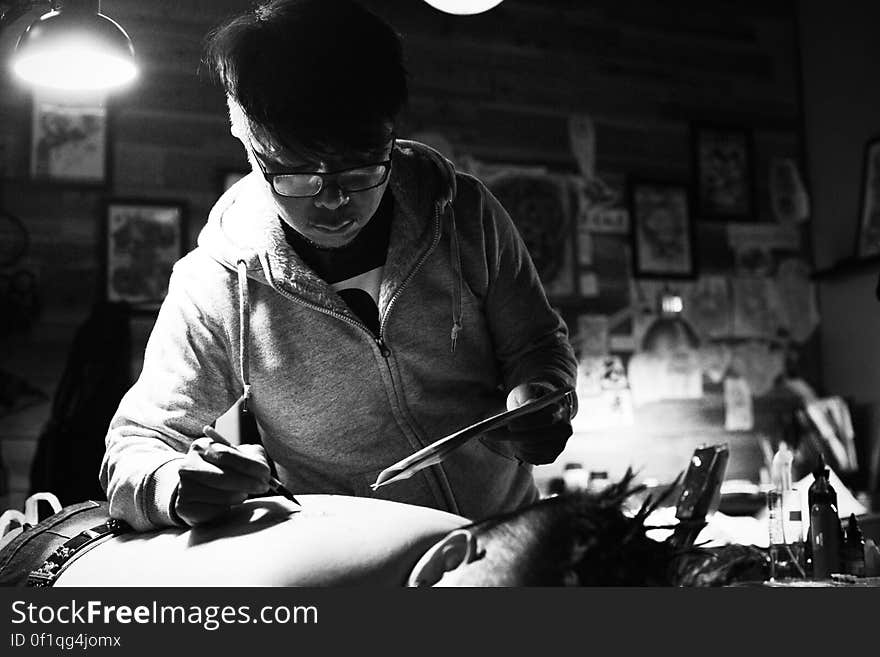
point(215, 477)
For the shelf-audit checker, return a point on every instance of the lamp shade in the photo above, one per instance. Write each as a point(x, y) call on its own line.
point(74, 50)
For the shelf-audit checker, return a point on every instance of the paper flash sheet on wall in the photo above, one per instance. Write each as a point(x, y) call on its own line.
point(797, 299)
point(738, 410)
point(788, 195)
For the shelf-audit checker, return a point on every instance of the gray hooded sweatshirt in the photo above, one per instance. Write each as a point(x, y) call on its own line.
point(463, 320)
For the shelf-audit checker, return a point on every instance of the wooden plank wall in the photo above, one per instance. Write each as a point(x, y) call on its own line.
point(500, 86)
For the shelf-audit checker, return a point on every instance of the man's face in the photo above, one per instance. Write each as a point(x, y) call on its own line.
point(333, 217)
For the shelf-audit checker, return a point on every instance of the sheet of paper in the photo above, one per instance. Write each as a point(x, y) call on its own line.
point(612, 220)
point(738, 411)
point(715, 360)
point(754, 310)
point(584, 244)
point(759, 364)
point(604, 399)
point(707, 306)
point(832, 419)
point(582, 140)
point(788, 195)
point(797, 299)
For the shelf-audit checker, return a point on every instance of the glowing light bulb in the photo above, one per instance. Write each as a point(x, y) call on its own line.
point(75, 66)
point(74, 49)
point(463, 7)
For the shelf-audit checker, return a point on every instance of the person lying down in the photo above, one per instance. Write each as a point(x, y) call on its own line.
point(579, 539)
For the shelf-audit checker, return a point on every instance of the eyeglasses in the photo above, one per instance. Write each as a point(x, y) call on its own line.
point(306, 184)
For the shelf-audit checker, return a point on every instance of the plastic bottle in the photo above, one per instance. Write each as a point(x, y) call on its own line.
point(824, 526)
point(575, 477)
point(597, 481)
point(786, 535)
point(780, 467)
point(854, 548)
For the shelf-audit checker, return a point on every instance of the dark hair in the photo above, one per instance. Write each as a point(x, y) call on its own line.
point(587, 539)
point(319, 75)
point(580, 539)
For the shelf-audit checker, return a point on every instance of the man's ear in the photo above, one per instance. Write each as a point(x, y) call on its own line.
point(237, 120)
point(450, 552)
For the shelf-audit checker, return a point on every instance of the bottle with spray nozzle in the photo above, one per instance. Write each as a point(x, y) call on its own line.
point(786, 526)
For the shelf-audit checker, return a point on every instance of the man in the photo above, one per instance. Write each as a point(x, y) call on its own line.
point(355, 293)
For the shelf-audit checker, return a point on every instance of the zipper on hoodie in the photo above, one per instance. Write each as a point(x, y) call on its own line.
point(384, 349)
point(415, 269)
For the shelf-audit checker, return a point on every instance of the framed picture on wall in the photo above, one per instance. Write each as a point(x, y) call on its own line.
point(68, 142)
point(662, 229)
point(868, 235)
point(723, 164)
point(539, 203)
point(143, 240)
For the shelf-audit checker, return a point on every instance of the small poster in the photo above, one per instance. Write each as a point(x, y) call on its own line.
point(724, 171)
point(662, 232)
point(143, 241)
point(69, 142)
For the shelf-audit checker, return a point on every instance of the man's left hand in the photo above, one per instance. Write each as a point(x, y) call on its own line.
point(539, 437)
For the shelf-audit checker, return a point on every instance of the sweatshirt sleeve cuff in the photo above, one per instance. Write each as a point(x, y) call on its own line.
point(161, 492)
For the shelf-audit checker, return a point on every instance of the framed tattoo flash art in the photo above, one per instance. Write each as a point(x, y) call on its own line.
point(868, 235)
point(662, 230)
point(540, 207)
point(724, 172)
point(69, 142)
point(143, 241)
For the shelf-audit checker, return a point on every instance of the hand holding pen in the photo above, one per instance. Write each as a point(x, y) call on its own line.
point(275, 485)
point(216, 475)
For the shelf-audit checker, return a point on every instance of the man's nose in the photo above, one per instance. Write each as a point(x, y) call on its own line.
point(331, 196)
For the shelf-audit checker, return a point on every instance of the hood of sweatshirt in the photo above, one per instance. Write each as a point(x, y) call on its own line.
point(244, 226)
point(245, 235)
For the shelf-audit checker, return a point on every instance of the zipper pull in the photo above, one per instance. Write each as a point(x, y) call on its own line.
point(383, 348)
point(456, 327)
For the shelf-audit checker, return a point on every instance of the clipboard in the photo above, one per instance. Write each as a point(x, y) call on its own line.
point(437, 451)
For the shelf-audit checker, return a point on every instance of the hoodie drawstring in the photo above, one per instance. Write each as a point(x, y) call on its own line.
point(244, 314)
point(455, 257)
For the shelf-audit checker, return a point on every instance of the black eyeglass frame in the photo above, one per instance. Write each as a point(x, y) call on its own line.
point(270, 177)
